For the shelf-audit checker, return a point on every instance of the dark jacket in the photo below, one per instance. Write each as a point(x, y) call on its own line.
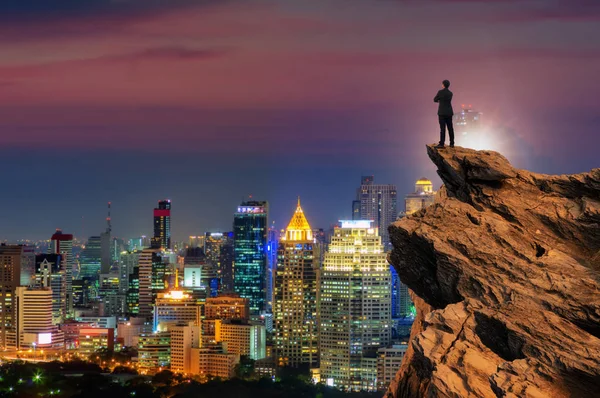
point(444, 97)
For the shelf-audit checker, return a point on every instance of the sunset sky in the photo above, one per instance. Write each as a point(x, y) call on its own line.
point(205, 102)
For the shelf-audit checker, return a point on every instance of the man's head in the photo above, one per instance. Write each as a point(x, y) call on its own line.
point(446, 83)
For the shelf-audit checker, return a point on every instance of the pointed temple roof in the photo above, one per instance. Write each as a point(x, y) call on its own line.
point(298, 228)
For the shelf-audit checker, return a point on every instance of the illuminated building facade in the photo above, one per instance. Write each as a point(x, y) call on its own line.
point(152, 278)
point(162, 226)
point(184, 337)
point(250, 254)
point(226, 261)
point(213, 361)
point(11, 258)
point(196, 241)
point(272, 253)
point(33, 323)
point(378, 203)
point(389, 360)
point(355, 306)
point(295, 305)
point(113, 303)
point(227, 307)
point(127, 263)
point(154, 352)
point(175, 307)
point(63, 244)
point(423, 196)
point(94, 339)
point(200, 273)
point(128, 331)
point(50, 272)
point(133, 293)
point(242, 338)
point(90, 260)
point(82, 291)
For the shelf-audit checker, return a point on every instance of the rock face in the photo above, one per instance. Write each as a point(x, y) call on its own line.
point(504, 270)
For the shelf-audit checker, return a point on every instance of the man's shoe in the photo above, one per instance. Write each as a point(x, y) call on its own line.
point(440, 146)
point(451, 145)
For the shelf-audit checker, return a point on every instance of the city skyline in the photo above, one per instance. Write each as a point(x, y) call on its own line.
point(234, 97)
point(184, 237)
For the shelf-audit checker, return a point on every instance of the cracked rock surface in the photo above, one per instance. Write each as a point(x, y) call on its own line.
point(504, 270)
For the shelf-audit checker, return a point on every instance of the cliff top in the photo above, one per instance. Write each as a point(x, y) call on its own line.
point(505, 271)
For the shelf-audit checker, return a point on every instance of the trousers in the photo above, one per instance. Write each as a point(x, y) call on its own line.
point(446, 121)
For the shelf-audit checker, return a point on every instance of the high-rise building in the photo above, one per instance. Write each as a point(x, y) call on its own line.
point(152, 278)
point(226, 261)
point(82, 291)
point(162, 225)
point(272, 253)
point(422, 197)
point(184, 337)
point(378, 204)
point(11, 258)
point(200, 273)
point(33, 325)
point(90, 259)
point(242, 338)
point(132, 297)
point(250, 228)
point(50, 272)
point(175, 307)
point(113, 302)
point(355, 306)
point(63, 244)
point(295, 305)
point(128, 262)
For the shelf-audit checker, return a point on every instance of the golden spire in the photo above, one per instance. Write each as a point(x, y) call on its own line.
point(298, 229)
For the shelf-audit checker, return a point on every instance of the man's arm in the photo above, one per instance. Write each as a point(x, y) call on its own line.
point(437, 97)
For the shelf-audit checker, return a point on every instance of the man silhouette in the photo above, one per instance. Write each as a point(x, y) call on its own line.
point(444, 98)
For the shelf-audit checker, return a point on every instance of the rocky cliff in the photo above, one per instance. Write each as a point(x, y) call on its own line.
point(504, 270)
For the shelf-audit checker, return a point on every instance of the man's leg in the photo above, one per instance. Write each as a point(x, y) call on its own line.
point(442, 130)
point(450, 130)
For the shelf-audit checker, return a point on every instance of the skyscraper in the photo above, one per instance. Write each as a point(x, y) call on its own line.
point(354, 300)
point(162, 225)
point(250, 226)
point(90, 259)
point(423, 196)
point(174, 307)
point(50, 273)
point(152, 277)
point(295, 304)
point(63, 244)
point(226, 263)
point(33, 326)
point(106, 245)
point(378, 204)
point(272, 254)
point(11, 258)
